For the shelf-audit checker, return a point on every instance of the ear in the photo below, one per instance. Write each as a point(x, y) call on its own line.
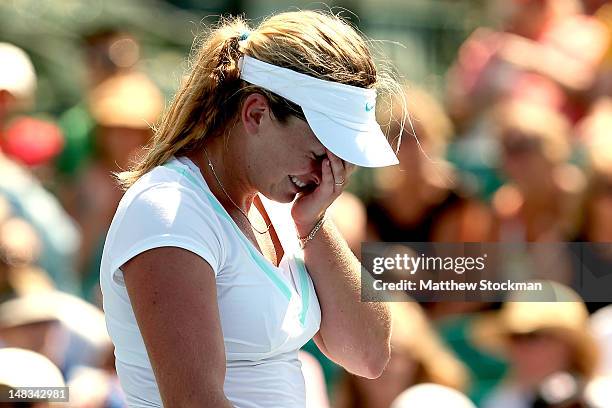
point(254, 113)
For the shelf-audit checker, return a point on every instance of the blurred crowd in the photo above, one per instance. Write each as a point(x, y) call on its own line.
point(517, 149)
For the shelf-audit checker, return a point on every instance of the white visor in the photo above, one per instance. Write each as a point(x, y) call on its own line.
point(341, 116)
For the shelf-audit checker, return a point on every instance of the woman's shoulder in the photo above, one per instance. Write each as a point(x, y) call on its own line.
point(162, 186)
point(165, 195)
point(163, 209)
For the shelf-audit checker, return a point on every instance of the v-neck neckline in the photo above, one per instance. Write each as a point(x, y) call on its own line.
point(266, 215)
point(274, 273)
point(196, 170)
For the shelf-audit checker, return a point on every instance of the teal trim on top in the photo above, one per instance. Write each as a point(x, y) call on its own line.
point(304, 287)
point(253, 253)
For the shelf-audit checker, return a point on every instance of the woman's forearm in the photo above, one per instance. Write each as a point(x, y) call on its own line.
point(217, 400)
point(355, 333)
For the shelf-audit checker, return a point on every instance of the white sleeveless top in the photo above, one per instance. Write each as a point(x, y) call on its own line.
point(267, 313)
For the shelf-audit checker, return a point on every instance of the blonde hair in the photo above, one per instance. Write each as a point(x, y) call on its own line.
point(426, 114)
point(315, 43)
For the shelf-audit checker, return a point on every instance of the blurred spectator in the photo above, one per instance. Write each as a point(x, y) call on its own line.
point(547, 343)
point(30, 323)
point(66, 329)
point(596, 135)
point(107, 52)
point(22, 280)
point(417, 356)
point(19, 243)
point(32, 142)
point(541, 201)
point(17, 81)
point(457, 321)
point(89, 361)
point(24, 368)
point(595, 262)
point(29, 141)
point(72, 334)
point(57, 232)
point(422, 199)
point(124, 108)
point(19, 250)
point(546, 51)
point(431, 395)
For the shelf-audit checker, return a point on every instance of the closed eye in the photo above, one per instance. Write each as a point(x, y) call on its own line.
point(319, 157)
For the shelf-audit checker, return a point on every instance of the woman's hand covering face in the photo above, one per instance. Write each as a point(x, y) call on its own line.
point(310, 206)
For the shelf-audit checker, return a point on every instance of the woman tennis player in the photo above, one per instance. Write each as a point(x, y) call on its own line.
point(212, 280)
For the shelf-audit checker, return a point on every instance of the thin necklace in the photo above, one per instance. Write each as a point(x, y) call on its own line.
point(230, 198)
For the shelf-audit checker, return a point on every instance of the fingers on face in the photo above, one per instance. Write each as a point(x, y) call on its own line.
point(340, 170)
point(327, 176)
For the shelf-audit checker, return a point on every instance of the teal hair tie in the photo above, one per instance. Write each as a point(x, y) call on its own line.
point(244, 35)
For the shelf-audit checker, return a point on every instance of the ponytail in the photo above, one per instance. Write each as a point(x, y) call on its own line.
point(202, 104)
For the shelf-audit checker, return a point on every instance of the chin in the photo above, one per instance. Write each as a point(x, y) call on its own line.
point(281, 192)
point(280, 197)
point(287, 198)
